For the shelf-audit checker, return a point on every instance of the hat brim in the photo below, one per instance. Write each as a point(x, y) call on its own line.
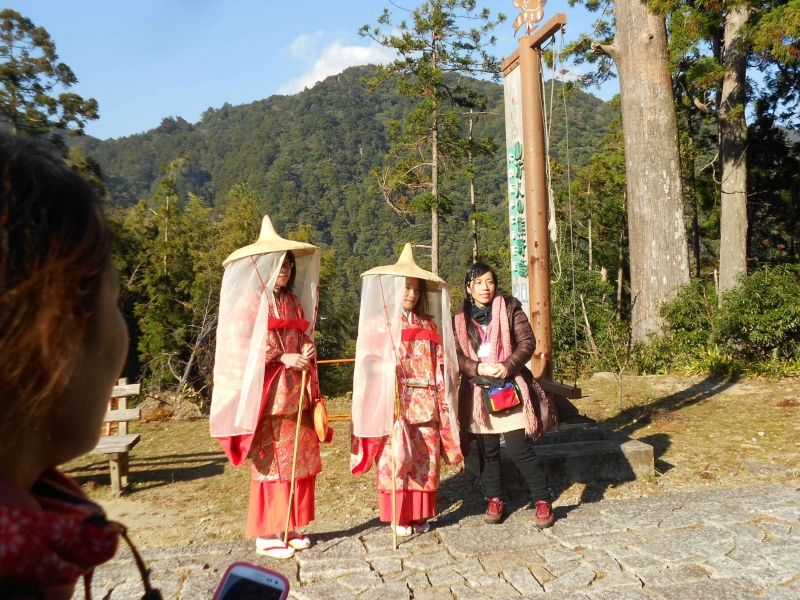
point(267, 246)
point(269, 241)
point(406, 267)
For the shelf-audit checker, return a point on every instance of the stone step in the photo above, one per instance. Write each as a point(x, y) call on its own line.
point(579, 454)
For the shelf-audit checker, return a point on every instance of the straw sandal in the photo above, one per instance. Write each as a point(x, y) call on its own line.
point(273, 548)
point(298, 541)
point(422, 527)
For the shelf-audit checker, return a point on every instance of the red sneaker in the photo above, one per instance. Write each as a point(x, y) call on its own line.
point(544, 514)
point(495, 511)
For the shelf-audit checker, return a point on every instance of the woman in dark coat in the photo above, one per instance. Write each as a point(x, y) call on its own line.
point(494, 341)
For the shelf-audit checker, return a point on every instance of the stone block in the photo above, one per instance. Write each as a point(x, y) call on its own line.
point(445, 576)
point(394, 589)
point(580, 454)
point(579, 577)
point(710, 589)
point(315, 569)
point(523, 580)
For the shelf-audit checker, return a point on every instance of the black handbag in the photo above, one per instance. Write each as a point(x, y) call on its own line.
point(484, 381)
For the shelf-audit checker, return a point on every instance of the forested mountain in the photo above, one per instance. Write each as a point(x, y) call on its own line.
point(307, 161)
point(309, 157)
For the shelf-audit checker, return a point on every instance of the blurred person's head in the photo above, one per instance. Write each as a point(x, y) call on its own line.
point(62, 337)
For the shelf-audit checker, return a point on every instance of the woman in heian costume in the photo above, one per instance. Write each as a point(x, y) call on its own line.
point(404, 388)
point(264, 373)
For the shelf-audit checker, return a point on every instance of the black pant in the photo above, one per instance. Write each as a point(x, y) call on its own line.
point(521, 451)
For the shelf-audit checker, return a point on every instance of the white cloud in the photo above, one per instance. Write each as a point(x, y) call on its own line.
point(304, 46)
point(332, 59)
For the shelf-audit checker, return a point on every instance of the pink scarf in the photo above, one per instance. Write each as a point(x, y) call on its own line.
point(499, 345)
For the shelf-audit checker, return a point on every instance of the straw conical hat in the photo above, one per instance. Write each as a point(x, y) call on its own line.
point(406, 267)
point(270, 241)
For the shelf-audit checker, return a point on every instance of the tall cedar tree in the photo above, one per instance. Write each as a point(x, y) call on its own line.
point(443, 40)
point(711, 46)
point(31, 78)
point(165, 311)
point(636, 42)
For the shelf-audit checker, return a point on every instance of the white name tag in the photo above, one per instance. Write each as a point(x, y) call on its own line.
point(484, 350)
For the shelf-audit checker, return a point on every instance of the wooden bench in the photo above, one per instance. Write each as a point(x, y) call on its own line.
point(117, 444)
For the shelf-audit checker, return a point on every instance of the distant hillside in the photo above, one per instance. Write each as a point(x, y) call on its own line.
point(309, 156)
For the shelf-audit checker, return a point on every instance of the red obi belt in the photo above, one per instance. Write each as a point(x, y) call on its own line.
point(277, 323)
point(415, 333)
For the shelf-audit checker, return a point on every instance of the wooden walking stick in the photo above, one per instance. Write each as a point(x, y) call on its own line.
point(294, 457)
point(394, 465)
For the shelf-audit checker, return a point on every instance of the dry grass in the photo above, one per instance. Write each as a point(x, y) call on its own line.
point(705, 432)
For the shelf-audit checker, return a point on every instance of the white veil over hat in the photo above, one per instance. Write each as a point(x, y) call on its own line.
point(379, 338)
point(246, 301)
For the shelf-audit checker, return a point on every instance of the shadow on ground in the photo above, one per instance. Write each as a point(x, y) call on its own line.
point(461, 495)
point(634, 418)
point(148, 472)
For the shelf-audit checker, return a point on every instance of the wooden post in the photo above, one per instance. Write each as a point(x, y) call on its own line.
point(122, 403)
point(536, 192)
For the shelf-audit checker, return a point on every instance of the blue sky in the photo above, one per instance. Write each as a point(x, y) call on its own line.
point(144, 60)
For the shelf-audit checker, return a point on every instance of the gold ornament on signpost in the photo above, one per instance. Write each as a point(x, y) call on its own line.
point(532, 13)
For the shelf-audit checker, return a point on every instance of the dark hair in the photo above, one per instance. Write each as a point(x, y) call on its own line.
point(293, 274)
point(54, 247)
point(475, 270)
point(421, 307)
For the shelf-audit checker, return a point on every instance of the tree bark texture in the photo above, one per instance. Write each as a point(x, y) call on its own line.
point(435, 207)
point(434, 177)
point(659, 262)
point(733, 151)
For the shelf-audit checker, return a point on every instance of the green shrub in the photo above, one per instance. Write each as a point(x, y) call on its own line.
point(714, 360)
point(760, 319)
point(687, 333)
point(755, 330)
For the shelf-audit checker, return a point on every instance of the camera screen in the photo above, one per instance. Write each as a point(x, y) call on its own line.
point(239, 588)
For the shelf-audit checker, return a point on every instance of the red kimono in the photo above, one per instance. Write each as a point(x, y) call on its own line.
point(424, 408)
point(273, 441)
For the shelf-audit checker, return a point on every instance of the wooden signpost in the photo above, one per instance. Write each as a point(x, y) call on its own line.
point(528, 190)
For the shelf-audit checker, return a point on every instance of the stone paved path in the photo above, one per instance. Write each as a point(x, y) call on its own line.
point(718, 544)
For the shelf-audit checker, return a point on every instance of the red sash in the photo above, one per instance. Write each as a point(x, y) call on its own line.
point(416, 333)
point(278, 323)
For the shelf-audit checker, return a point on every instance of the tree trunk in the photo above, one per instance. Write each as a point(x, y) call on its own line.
point(472, 203)
point(434, 176)
point(657, 235)
point(620, 273)
point(733, 152)
point(435, 206)
point(692, 193)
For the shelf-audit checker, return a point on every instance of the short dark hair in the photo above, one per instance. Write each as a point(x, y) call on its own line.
point(478, 269)
point(475, 270)
point(55, 245)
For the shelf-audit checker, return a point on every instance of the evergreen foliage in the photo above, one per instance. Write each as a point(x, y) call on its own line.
point(33, 84)
point(761, 318)
point(443, 41)
point(754, 330)
point(183, 196)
